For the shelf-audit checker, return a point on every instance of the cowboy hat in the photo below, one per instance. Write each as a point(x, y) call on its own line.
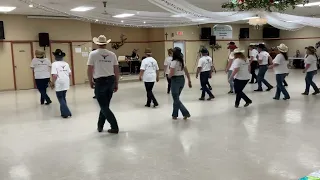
point(283, 48)
point(59, 53)
point(236, 51)
point(204, 51)
point(311, 49)
point(148, 51)
point(39, 53)
point(101, 40)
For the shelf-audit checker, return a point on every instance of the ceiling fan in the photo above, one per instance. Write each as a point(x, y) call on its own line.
point(105, 9)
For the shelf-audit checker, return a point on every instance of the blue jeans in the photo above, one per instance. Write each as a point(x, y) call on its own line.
point(42, 85)
point(177, 84)
point(309, 81)
point(239, 85)
point(204, 81)
point(104, 88)
point(280, 86)
point(61, 95)
point(262, 72)
point(231, 82)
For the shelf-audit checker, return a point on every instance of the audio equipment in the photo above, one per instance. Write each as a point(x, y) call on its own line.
point(212, 40)
point(44, 40)
point(1, 30)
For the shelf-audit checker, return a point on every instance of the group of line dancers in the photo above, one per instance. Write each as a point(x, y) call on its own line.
point(103, 73)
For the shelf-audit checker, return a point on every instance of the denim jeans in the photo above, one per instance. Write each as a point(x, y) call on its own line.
point(42, 85)
point(254, 65)
point(169, 84)
point(280, 86)
point(262, 72)
point(239, 85)
point(231, 82)
point(61, 95)
point(104, 88)
point(150, 95)
point(204, 81)
point(309, 81)
point(177, 84)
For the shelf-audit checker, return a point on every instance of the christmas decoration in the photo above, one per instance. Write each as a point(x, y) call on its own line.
point(215, 47)
point(267, 5)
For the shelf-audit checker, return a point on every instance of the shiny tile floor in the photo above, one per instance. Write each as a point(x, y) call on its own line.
point(276, 140)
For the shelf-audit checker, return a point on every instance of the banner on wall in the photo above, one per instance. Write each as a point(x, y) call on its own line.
point(222, 31)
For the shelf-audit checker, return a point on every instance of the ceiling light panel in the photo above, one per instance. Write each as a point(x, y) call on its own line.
point(124, 15)
point(82, 9)
point(6, 8)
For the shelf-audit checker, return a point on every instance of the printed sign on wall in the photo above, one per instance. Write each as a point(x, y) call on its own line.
point(222, 31)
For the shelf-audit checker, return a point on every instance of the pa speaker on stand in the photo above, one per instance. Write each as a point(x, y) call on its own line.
point(212, 40)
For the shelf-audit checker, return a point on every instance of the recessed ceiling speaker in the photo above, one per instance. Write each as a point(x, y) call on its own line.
point(1, 30)
point(44, 40)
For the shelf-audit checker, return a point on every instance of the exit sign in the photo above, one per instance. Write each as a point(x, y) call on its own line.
point(179, 33)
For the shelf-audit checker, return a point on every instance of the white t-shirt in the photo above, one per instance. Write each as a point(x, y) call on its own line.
point(254, 53)
point(177, 66)
point(167, 62)
point(231, 58)
point(63, 71)
point(150, 67)
point(243, 73)
point(312, 60)
point(41, 68)
point(264, 56)
point(282, 68)
point(205, 62)
point(103, 62)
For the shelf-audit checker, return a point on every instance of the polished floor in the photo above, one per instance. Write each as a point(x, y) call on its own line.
point(276, 140)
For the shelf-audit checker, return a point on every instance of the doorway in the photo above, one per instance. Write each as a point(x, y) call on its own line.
point(22, 57)
point(65, 47)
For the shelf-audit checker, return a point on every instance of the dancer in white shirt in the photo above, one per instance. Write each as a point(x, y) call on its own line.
point(280, 68)
point(167, 62)
point(231, 46)
point(264, 59)
point(253, 53)
point(310, 69)
point(41, 68)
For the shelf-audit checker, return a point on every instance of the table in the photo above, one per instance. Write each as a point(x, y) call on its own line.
point(291, 61)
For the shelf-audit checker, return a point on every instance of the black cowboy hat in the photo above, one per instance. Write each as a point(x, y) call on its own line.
point(59, 53)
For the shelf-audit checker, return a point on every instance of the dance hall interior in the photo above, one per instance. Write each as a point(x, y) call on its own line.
point(159, 90)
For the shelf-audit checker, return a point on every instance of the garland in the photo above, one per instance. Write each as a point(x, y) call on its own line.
point(267, 5)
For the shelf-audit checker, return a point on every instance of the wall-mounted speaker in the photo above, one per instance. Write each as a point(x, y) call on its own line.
point(44, 40)
point(205, 33)
point(212, 40)
point(244, 33)
point(1, 30)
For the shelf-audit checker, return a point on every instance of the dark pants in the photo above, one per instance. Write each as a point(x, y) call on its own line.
point(204, 81)
point(61, 95)
point(150, 96)
point(42, 85)
point(177, 84)
point(262, 72)
point(104, 88)
point(309, 81)
point(284, 81)
point(280, 87)
point(254, 65)
point(169, 84)
point(239, 85)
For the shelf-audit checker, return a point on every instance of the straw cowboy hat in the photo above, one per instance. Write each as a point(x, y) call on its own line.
point(148, 51)
point(101, 40)
point(283, 48)
point(39, 53)
point(236, 51)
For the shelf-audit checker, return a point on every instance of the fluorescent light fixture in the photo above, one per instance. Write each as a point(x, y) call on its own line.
point(7, 8)
point(178, 15)
point(122, 21)
point(254, 17)
point(309, 4)
point(124, 15)
point(82, 9)
point(97, 20)
point(31, 5)
point(144, 22)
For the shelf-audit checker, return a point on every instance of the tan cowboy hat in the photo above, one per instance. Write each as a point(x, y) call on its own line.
point(101, 40)
point(236, 51)
point(39, 53)
point(148, 51)
point(283, 48)
point(311, 49)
